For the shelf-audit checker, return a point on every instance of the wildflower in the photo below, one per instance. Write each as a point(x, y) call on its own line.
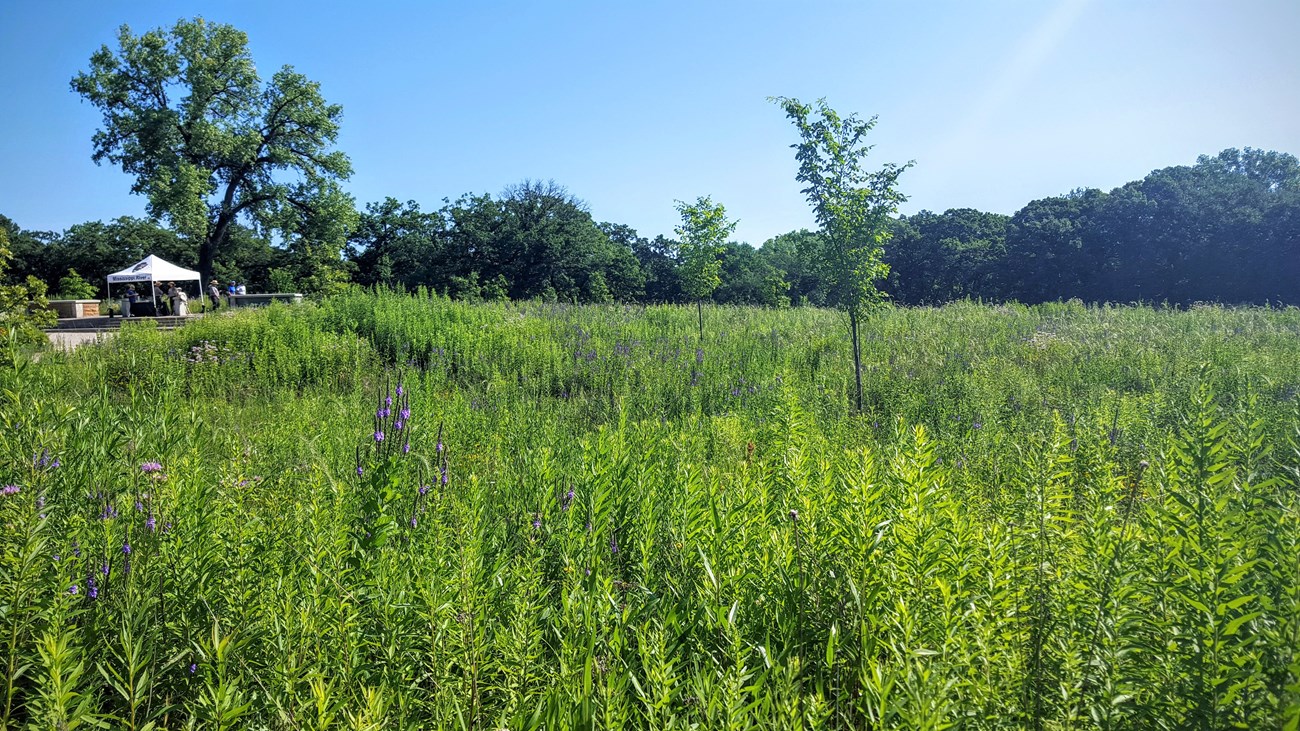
point(104, 569)
point(193, 668)
point(397, 425)
point(360, 470)
point(399, 390)
point(92, 589)
point(11, 490)
point(139, 506)
point(56, 464)
point(126, 549)
point(72, 589)
point(444, 474)
point(151, 523)
point(379, 436)
point(76, 549)
point(406, 448)
point(412, 521)
point(40, 502)
point(405, 414)
point(568, 499)
point(613, 544)
point(56, 557)
point(388, 401)
point(148, 467)
point(537, 523)
point(438, 448)
point(424, 489)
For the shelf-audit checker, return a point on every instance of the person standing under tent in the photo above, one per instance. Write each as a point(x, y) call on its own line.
point(128, 300)
point(178, 299)
point(161, 295)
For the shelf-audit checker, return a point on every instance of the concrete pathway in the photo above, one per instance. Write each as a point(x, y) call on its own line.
point(70, 339)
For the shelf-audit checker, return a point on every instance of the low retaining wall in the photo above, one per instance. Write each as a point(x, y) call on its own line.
point(75, 308)
point(261, 300)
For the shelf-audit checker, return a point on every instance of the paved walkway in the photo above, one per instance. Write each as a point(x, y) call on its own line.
point(70, 339)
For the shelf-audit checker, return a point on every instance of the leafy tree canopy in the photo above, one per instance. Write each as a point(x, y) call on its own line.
point(209, 143)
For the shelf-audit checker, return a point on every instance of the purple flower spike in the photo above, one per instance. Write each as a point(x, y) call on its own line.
point(151, 467)
point(92, 590)
point(439, 447)
point(424, 489)
point(104, 569)
point(360, 470)
point(412, 521)
point(399, 390)
point(379, 436)
point(11, 490)
point(72, 589)
point(151, 523)
point(537, 523)
point(193, 668)
point(405, 414)
point(126, 549)
point(406, 448)
point(397, 425)
point(388, 401)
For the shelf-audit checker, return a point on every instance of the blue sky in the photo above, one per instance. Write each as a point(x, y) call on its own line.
point(633, 105)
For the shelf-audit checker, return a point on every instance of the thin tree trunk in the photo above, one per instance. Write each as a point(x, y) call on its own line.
point(857, 356)
point(699, 310)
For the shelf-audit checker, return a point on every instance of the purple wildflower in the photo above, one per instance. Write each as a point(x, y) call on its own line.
point(537, 523)
point(399, 390)
point(56, 557)
point(379, 436)
point(438, 448)
point(104, 569)
point(613, 544)
point(126, 548)
point(568, 500)
point(360, 470)
point(412, 521)
point(40, 502)
point(139, 506)
point(405, 414)
point(406, 448)
point(193, 668)
point(444, 475)
point(424, 489)
point(397, 425)
point(76, 549)
point(151, 467)
point(388, 401)
point(11, 490)
point(151, 523)
point(92, 590)
point(72, 589)
point(56, 463)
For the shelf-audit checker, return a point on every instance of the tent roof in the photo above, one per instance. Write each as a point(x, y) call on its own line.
point(152, 269)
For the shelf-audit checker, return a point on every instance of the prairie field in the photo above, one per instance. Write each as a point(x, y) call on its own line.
point(390, 511)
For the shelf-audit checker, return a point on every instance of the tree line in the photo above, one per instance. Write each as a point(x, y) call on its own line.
point(1226, 229)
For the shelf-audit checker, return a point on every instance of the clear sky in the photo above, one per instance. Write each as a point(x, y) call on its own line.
point(632, 105)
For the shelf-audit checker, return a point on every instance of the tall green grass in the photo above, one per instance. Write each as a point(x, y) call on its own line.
point(1049, 517)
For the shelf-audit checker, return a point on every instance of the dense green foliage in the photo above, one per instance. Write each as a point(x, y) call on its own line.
point(1226, 229)
point(1046, 517)
point(1222, 230)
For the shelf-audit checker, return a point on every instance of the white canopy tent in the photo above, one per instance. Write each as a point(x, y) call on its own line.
point(152, 269)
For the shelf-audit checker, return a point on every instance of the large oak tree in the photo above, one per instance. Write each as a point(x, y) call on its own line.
point(209, 143)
